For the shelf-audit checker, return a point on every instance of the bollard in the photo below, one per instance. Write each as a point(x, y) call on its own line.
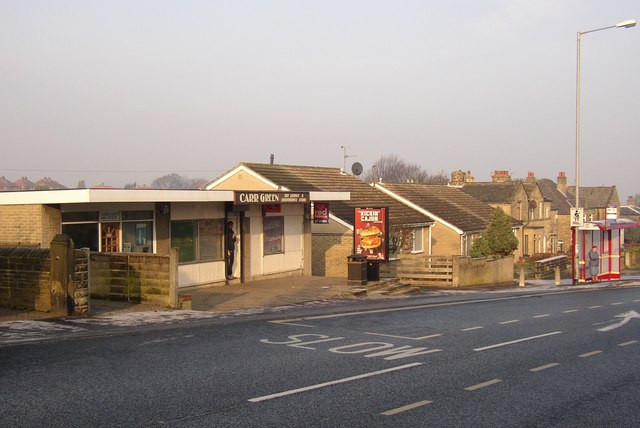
point(521, 276)
point(557, 275)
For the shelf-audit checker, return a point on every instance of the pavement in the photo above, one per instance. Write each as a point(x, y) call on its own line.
point(223, 302)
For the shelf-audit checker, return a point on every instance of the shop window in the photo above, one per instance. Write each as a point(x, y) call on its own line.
point(273, 235)
point(82, 235)
point(210, 239)
point(198, 240)
point(137, 236)
point(183, 238)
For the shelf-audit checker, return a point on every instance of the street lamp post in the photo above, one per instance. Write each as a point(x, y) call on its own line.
point(576, 257)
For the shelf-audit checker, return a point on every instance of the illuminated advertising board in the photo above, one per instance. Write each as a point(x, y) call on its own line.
point(371, 233)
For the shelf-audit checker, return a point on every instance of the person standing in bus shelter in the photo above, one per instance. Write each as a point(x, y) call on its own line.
point(594, 263)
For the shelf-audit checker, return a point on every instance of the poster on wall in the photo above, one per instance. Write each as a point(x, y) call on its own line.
point(321, 213)
point(371, 233)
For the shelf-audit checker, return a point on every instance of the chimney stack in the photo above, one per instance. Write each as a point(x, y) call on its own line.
point(501, 176)
point(458, 178)
point(531, 177)
point(562, 183)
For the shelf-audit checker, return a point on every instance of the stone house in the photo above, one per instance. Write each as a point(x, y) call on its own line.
point(459, 218)
point(333, 242)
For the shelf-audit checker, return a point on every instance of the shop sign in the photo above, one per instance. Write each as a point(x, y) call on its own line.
point(321, 212)
point(371, 233)
point(271, 197)
point(106, 216)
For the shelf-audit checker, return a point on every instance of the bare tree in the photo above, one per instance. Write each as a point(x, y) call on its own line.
point(176, 181)
point(392, 169)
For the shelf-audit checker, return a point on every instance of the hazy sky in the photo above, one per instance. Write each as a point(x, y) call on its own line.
point(120, 91)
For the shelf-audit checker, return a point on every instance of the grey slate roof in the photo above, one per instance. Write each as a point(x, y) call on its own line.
point(550, 192)
point(594, 197)
point(450, 204)
point(312, 178)
point(492, 193)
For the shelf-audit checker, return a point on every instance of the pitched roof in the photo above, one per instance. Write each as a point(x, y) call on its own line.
point(595, 197)
point(49, 183)
point(550, 191)
point(629, 211)
point(493, 193)
point(313, 178)
point(449, 204)
point(7, 185)
point(24, 183)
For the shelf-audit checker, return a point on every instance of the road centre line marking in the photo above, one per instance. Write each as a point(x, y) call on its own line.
point(617, 303)
point(637, 300)
point(482, 385)
point(404, 337)
point(497, 345)
point(472, 328)
point(286, 322)
point(589, 354)
point(570, 311)
point(407, 407)
point(631, 342)
point(542, 316)
point(330, 383)
point(595, 307)
point(412, 308)
point(509, 322)
point(546, 366)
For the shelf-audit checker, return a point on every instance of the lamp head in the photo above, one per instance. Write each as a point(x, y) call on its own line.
point(626, 24)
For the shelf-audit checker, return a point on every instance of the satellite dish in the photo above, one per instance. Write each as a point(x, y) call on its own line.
point(356, 168)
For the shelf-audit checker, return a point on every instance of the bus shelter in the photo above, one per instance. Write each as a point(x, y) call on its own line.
point(608, 237)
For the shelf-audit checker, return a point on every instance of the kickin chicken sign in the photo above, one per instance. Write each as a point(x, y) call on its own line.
point(371, 233)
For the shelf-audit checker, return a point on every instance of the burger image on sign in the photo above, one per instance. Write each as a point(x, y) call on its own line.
point(370, 237)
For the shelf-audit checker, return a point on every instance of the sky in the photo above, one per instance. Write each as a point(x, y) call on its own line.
point(115, 92)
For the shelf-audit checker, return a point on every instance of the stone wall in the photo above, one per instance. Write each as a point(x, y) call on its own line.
point(140, 278)
point(25, 280)
point(469, 271)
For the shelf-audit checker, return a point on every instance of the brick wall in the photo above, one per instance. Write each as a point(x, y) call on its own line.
point(34, 225)
point(330, 252)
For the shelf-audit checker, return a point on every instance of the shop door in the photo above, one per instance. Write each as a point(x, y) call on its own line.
point(110, 234)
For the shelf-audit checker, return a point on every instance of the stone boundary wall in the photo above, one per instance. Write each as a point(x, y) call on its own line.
point(469, 271)
point(138, 278)
point(25, 279)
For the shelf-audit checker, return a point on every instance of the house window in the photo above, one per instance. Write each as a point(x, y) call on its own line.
point(273, 235)
point(197, 240)
point(417, 240)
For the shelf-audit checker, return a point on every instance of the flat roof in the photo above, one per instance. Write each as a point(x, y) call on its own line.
point(70, 196)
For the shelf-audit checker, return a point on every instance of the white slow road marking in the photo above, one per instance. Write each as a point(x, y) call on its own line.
point(546, 366)
point(595, 307)
point(542, 316)
point(482, 385)
point(570, 311)
point(509, 322)
point(497, 345)
point(333, 382)
point(472, 328)
point(405, 337)
point(589, 354)
point(407, 407)
point(631, 342)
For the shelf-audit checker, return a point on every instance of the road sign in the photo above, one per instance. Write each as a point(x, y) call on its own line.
point(577, 217)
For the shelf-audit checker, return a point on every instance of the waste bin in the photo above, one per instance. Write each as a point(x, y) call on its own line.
point(357, 269)
point(373, 271)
